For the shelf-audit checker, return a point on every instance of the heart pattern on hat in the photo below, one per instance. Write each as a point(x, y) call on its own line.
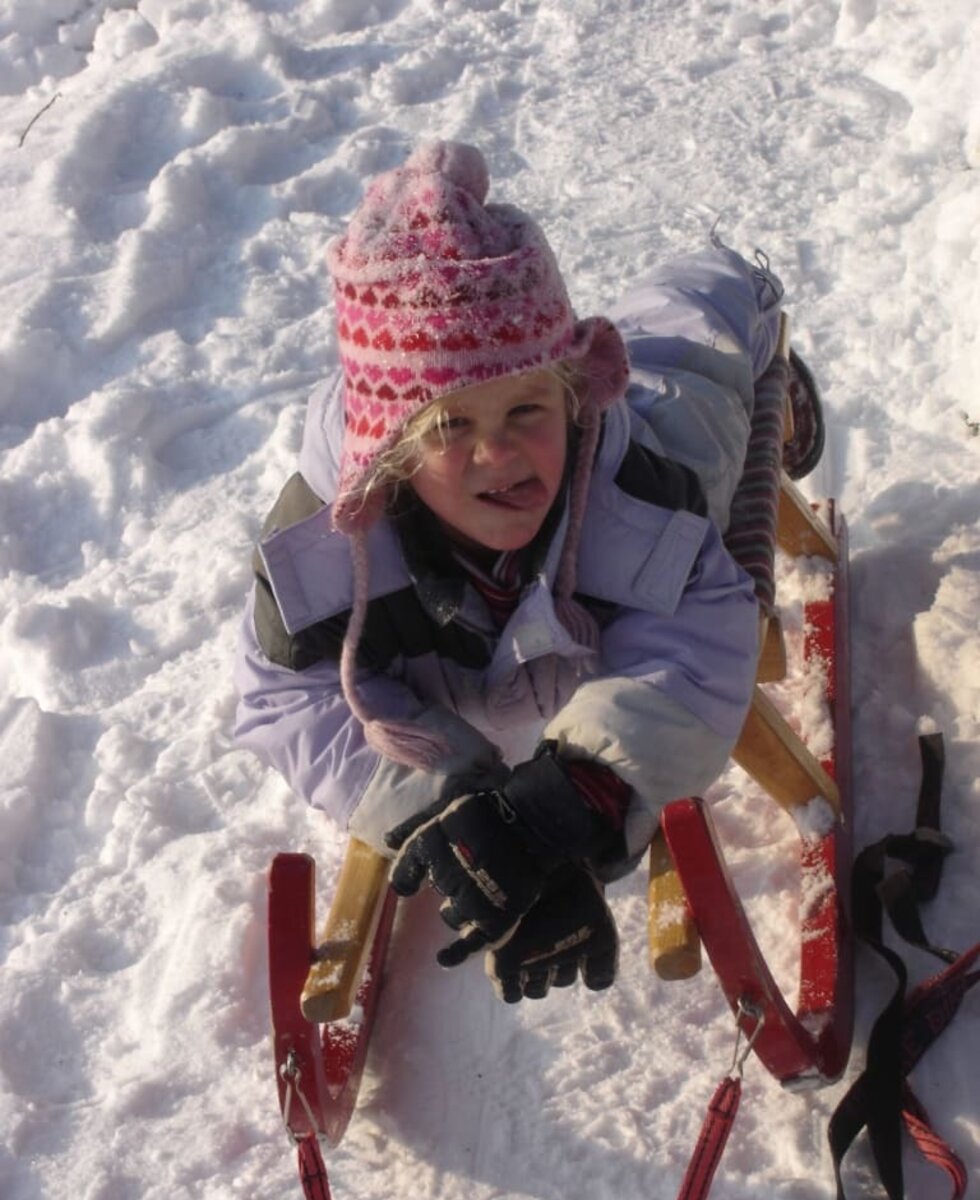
point(435, 291)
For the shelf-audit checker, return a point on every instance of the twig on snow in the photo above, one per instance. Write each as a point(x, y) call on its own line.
point(36, 117)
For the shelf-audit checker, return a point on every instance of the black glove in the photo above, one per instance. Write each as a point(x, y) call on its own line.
point(569, 929)
point(490, 853)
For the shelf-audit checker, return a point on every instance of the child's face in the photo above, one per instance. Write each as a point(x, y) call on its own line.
point(494, 471)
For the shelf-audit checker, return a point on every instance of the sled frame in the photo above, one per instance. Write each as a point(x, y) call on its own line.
point(319, 1066)
point(324, 992)
point(691, 897)
point(808, 1046)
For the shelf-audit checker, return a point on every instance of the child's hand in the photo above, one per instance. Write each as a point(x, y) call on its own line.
point(479, 855)
point(491, 853)
point(569, 929)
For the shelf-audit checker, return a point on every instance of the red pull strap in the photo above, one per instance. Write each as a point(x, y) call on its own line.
point(931, 1145)
point(312, 1171)
point(717, 1126)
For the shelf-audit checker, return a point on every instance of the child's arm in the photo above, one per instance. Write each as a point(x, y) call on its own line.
point(678, 661)
point(300, 723)
point(674, 687)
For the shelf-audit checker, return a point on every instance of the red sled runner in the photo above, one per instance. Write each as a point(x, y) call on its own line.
point(324, 996)
point(322, 1021)
point(692, 898)
point(807, 1046)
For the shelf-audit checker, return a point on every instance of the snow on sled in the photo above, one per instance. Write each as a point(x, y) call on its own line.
point(324, 991)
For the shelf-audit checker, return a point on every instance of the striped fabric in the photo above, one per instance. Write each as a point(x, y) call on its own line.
point(500, 588)
point(751, 536)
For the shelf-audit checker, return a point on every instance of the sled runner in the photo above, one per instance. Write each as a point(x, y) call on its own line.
point(808, 1047)
point(320, 1041)
point(321, 1027)
point(692, 899)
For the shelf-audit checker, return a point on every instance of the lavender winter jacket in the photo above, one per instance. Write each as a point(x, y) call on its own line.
point(665, 699)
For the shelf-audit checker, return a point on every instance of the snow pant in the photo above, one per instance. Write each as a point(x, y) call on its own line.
point(700, 329)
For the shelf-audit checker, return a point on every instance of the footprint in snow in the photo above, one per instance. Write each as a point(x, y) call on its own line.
point(47, 774)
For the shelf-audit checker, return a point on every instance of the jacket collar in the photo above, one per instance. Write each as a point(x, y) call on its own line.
point(438, 577)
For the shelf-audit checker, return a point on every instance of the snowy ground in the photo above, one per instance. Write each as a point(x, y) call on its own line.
point(170, 173)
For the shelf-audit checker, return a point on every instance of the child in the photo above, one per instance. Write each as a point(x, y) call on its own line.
point(494, 628)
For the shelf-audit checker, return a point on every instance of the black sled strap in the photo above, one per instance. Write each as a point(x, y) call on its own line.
point(880, 1098)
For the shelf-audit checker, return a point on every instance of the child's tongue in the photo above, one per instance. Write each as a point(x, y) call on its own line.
point(526, 494)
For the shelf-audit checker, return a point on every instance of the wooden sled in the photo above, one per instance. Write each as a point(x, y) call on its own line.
point(317, 985)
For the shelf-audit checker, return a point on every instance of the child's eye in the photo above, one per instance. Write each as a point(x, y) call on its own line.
point(526, 410)
point(449, 428)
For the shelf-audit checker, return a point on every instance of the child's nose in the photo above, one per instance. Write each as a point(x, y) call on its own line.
point(493, 447)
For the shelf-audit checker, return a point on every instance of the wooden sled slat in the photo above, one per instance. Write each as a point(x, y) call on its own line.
point(772, 752)
point(772, 653)
point(674, 944)
point(318, 1068)
point(331, 985)
point(799, 531)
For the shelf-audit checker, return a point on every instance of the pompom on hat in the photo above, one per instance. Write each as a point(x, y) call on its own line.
point(436, 290)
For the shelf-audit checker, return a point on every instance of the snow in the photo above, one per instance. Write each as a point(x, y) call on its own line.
point(171, 172)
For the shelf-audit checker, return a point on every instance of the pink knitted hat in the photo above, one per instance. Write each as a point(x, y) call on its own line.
point(435, 291)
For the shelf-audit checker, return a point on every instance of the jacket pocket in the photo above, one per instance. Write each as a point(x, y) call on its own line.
point(660, 582)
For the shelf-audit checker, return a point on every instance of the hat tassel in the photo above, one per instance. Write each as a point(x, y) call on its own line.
point(402, 741)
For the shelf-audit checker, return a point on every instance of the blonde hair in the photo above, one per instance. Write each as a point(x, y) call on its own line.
point(399, 462)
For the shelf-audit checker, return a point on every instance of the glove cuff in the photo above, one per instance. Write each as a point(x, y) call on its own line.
point(554, 810)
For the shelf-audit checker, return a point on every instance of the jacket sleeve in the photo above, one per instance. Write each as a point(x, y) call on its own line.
point(675, 681)
point(299, 723)
point(678, 658)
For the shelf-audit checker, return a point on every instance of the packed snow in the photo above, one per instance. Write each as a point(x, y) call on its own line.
point(170, 175)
